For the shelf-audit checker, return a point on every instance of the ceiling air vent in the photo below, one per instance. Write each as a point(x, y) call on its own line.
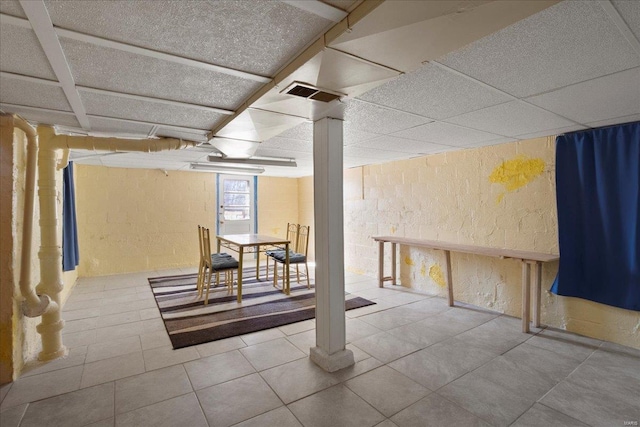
point(308, 91)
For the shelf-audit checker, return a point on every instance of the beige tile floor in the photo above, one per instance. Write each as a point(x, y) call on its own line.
point(418, 362)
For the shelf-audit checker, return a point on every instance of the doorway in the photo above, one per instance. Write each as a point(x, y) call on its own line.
point(237, 210)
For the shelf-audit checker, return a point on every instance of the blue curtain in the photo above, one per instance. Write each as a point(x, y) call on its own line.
point(70, 254)
point(598, 196)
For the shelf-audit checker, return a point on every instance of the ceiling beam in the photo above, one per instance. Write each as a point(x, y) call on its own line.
point(39, 18)
point(319, 8)
point(124, 47)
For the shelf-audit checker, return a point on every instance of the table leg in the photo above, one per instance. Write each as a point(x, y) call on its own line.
point(258, 262)
point(380, 263)
point(393, 263)
point(537, 283)
point(526, 295)
point(241, 253)
point(287, 275)
point(447, 255)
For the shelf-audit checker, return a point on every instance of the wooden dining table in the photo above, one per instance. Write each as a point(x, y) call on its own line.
point(254, 243)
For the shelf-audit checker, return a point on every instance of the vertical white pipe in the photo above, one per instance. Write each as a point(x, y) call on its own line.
point(50, 253)
point(33, 305)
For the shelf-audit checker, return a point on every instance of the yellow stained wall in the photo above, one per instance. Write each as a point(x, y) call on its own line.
point(305, 210)
point(140, 219)
point(277, 205)
point(500, 196)
point(133, 220)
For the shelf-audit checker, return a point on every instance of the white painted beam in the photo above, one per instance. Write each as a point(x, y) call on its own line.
point(39, 18)
point(319, 8)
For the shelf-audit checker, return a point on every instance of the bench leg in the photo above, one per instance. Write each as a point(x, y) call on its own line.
point(393, 264)
point(447, 255)
point(380, 264)
point(537, 283)
point(526, 295)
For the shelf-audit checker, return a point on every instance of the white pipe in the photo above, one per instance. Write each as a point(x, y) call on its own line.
point(33, 305)
point(50, 254)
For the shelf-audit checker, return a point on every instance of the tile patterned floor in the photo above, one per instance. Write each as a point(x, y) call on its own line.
point(418, 362)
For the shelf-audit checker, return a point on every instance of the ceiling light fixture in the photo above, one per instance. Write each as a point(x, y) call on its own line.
point(226, 169)
point(261, 161)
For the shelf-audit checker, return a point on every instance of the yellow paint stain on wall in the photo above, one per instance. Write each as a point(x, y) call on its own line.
point(408, 260)
point(435, 272)
point(423, 269)
point(393, 229)
point(516, 173)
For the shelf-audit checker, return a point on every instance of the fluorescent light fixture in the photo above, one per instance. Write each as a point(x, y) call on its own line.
point(226, 169)
point(261, 161)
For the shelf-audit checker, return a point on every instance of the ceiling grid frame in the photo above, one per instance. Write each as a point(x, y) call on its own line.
point(41, 23)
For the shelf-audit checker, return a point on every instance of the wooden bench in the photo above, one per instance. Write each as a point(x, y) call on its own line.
point(528, 260)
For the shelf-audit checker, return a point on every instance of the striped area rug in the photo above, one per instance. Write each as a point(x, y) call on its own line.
point(190, 322)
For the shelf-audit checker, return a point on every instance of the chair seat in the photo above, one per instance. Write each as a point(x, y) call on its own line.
point(278, 252)
point(223, 263)
point(294, 257)
point(220, 255)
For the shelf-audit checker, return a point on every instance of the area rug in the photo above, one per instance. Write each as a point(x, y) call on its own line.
point(190, 322)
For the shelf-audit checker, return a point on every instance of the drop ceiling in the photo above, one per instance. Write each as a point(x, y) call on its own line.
point(418, 77)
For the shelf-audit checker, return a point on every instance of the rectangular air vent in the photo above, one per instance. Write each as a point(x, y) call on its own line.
point(304, 90)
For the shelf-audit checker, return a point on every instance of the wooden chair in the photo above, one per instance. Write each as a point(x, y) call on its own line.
point(292, 236)
point(299, 256)
point(215, 263)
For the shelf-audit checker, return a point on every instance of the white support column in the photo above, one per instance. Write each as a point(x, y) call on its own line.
point(330, 352)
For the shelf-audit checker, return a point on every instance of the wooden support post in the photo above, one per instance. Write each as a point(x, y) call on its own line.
point(447, 255)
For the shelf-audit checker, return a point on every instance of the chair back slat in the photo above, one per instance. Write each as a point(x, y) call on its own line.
point(206, 242)
point(292, 236)
point(302, 245)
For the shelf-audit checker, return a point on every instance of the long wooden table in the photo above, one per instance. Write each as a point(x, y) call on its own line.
point(251, 243)
point(528, 260)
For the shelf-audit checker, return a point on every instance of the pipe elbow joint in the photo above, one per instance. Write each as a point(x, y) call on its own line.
point(36, 310)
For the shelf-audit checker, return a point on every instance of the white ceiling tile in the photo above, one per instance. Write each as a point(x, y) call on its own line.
point(511, 119)
point(446, 134)
point(21, 92)
point(401, 145)
point(567, 43)
point(266, 151)
point(372, 153)
point(293, 145)
point(147, 111)
point(118, 126)
point(43, 117)
point(630, 12)
point(615, 121)
point(252, 36)
point(376, 119)
point(551, 132)
point(607, 97)
point(118, 71)
point(21, 53)
point(351, 134)
point(303, 132)
point(12, 7)
point(433, 92)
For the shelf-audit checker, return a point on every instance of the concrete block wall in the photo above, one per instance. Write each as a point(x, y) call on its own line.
point(277, 205)
point(140, 219)
point(498, 196)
